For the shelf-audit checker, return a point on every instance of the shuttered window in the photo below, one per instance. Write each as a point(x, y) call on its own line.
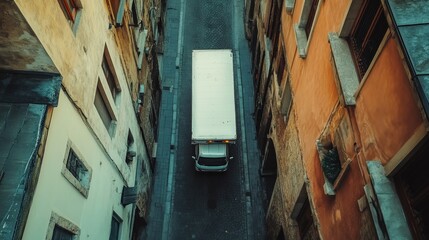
point(367, 34)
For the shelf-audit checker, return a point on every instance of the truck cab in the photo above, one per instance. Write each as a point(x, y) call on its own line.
point(212, 157)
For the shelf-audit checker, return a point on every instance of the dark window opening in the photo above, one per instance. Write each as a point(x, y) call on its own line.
point(281, 235)
point(281, 68)
point(76, 167)
point(305, 222)
point(102, 109)
point(311, 16)
point(274, 22)
point(412, 184)
point(367, 35)
point(134, 15)
point(62, 234)
point(110, 77)
point(114, 228)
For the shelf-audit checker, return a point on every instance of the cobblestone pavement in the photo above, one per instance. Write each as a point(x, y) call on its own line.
point(186, 204)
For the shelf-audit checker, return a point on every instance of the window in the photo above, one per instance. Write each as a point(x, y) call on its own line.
point(335, 147)
point(75, 170)
point(304, 28)
point(302, 214)
point(134, 16)
point(118, 8)
point(367, 34)
point(115, 227)
point(274, 21)
point(304, 220)
point(105, 110)
point(286, 100)
point(281, 67)
point(356, 45)
point(71, 10)
point(131, 153)
point(412, 184)
point(62, 234)
point(60, 228)
point(110, 74)
point(102, 109)
point(311, 15)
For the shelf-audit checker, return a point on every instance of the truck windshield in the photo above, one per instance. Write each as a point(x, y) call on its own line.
point(212, 161)
point(216, 150)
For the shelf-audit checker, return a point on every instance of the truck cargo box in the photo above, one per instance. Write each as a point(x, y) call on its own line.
point(213, 102)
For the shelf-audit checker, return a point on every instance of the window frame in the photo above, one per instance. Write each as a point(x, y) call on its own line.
point(405, 177)
point(83, 188)
point(302, 38)
point(347, 78)
point(110, 75)
point(72, 10)
point(57, 220)
point(302, 208)
point(368, 35)
point(117, 11)
point(105, 106)
point(115, 217)
point(337, 137)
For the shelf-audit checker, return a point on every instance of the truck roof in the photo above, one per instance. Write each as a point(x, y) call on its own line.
point(213, 102)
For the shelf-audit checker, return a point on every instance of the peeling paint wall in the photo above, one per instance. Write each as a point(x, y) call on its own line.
point(20, 48)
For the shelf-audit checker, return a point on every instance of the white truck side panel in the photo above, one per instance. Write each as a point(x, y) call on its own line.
point(213, 104)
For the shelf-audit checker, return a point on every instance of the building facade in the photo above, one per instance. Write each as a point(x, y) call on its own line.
point(79, 102)
point(341, 106)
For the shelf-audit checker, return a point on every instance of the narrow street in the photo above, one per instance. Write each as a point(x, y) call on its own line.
point(186, 204)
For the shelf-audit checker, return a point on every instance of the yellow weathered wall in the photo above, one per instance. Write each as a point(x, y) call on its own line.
point(78, 59)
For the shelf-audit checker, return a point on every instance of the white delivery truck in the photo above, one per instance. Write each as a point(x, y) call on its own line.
point(213, 109)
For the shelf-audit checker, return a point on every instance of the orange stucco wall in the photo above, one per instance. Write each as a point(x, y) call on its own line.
point(386, 114)
point(386, 109)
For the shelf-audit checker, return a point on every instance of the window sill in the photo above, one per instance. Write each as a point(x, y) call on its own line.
point(301, 41)
point(347, 78)
point(340, 178)
point(329, 187)
point(290, 4)
point(76, 184)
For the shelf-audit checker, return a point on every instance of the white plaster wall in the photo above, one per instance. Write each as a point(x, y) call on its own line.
point(78, 59)
point(55, 193)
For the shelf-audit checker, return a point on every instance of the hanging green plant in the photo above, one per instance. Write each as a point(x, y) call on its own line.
point(331, 164)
